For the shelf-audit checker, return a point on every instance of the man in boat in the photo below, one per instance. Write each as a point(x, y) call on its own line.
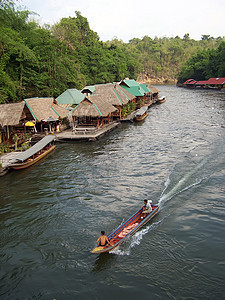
point(102, 241)
point(147, 208)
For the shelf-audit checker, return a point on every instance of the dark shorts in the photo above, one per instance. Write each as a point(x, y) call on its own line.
point(102, 245)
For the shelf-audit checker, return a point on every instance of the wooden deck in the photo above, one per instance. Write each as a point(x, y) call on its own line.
point(5, 160)
point(85, 133)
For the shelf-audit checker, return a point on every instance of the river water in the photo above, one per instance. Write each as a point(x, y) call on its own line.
point(51, 214)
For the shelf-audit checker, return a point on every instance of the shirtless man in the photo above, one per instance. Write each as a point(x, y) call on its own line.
point(102, 241)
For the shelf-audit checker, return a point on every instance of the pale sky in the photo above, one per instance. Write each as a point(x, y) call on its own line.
point(134, 18)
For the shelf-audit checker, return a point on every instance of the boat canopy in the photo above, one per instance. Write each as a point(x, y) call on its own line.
point(161, 98)
point(21, 157)
point(141, 111)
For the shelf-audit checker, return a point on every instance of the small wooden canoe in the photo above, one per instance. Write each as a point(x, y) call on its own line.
point(127, 229)
point(30, 161)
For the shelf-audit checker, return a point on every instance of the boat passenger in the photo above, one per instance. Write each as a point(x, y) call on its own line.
point(147, 208)
point(102, 241)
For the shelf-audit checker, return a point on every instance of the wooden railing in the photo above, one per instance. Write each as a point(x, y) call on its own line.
point(84, 130)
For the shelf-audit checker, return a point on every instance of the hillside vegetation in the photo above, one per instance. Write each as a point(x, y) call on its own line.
point(206, 63)
point(43, 61)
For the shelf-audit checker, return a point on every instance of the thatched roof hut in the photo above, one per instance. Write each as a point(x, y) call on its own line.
point(153, 89)
point(60, 111)
point(93, 107)
point(110, 93)
point(11, 114)
point(43, 108)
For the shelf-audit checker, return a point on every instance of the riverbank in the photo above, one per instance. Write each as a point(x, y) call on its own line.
point(156, 80)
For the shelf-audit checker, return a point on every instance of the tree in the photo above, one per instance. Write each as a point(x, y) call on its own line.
point(186, 37)
point(205, 64)
point(206, 37)
point(45, 61)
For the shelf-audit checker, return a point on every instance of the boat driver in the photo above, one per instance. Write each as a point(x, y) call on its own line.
point(147, 208)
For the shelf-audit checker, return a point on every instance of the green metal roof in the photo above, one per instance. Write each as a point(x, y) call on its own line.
point(130, 82)
point(135, 90)
point(145, 87)
point(70, 96)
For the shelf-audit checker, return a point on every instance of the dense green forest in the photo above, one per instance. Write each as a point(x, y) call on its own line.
point(42, 61)
point(206, 63)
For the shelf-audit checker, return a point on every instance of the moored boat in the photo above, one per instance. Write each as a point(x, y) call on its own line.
point(34, 154)
point(127, 229)
point(141, 114)
point(161, 99)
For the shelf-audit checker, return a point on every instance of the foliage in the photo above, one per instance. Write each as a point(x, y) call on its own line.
point(15, 139)
point(132, 106)
point(44, 61)
point(128, 109)
point(24, 146)
point(124, 111)
point(204, 64)
point(164, 57)
point(5, 148)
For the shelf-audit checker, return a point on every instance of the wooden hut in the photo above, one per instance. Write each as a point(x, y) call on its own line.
point(154, 93)
point(110, 93)
point(141, 91)
point(148, 96)
point(11, 115)
point(43, 109)
point(92, 113)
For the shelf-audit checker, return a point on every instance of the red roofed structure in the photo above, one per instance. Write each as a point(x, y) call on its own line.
point(190, 81)
point(201, 82)
point(215, 81)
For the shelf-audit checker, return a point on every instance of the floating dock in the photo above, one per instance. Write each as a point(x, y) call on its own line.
point(5, 161)
point(85, 134)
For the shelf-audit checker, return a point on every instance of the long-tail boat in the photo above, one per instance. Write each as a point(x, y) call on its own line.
point(141, 114)
point(127, 229)
point(34, 154)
